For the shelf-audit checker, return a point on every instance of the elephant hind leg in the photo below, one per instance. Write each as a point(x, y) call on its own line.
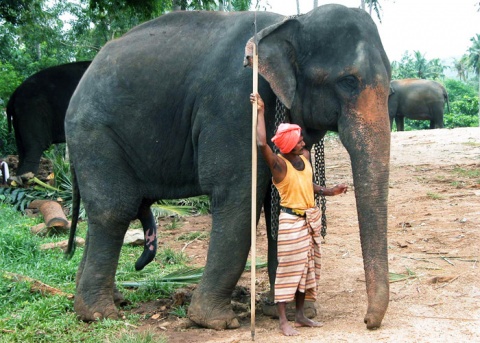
point(399, 121)
point(96, 294)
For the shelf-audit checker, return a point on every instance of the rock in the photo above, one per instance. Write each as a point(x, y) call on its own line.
point(134, 237)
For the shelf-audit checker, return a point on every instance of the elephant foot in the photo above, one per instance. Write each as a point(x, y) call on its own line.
point(207, 314)
point(96, 312)
point(98, 308)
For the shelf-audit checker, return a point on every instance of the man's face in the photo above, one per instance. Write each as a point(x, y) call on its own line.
point(298, 149)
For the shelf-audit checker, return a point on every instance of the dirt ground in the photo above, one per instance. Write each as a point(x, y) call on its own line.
point(433, 232)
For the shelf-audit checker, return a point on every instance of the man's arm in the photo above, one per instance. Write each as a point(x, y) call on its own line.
point(276, 164)
point(338, 189)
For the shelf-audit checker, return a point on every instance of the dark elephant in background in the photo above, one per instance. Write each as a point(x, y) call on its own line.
point(417, 99)
point(37, 109)
point(163, 112)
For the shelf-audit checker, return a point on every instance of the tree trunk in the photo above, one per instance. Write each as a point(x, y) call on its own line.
point(315, 3)
point(52, 213)
point(298, 6)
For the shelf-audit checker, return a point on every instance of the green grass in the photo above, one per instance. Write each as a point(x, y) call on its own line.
point(434, 196)
point(32, 317)
point(468, 173)
point(180, 311)
point(174, 224)
point(190, 236)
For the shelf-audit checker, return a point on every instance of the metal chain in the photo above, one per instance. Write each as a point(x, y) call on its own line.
point(280, 111)
point(320, 179)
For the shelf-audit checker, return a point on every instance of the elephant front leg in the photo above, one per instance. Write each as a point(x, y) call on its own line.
point(96, 295)
point(227, 255)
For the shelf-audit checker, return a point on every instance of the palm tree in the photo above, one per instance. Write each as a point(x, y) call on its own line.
point(435, 69)
point(474, 62)
point(372, 4)
point(421, 65)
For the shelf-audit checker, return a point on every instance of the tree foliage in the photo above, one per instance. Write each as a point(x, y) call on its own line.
point(417, 66)
point(36, 34)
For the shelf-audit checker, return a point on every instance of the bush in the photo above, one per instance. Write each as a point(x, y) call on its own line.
point(7, 139)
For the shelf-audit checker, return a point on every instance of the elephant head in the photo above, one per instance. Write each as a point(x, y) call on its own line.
point(331, 71)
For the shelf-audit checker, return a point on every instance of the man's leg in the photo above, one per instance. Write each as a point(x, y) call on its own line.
point(285, 326)
point(300, 319)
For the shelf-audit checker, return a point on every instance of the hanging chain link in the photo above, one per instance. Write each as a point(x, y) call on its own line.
point(280, 111)
point(320, 179)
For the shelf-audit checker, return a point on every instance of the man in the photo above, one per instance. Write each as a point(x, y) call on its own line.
point(298, 240)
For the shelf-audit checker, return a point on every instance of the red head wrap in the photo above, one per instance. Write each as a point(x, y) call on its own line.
point(287, 137)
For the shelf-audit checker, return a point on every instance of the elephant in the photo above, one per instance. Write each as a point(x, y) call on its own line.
point(417, 99)
point(163, 112)
point(37, 109)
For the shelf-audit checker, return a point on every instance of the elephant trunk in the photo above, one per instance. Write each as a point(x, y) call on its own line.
point(365, 133)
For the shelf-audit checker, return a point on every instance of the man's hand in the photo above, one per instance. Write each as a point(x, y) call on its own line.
point(260, 104)
point(340, 189)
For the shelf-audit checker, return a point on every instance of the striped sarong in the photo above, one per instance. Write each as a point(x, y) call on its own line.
point(299, 256)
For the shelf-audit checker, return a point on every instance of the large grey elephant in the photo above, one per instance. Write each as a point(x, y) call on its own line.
point(164, 112)
point(417, 99)
point(37, 109)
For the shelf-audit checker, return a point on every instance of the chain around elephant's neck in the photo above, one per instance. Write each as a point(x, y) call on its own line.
point(319, 177)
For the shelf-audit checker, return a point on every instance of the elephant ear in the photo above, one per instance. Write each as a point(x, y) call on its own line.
point(277, 58)
point(391, 91)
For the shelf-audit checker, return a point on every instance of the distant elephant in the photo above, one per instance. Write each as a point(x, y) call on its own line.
point(163, 112)
point(37, 109)
point(417, 99)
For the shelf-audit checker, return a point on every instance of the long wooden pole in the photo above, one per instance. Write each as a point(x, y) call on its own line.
point(253, 248)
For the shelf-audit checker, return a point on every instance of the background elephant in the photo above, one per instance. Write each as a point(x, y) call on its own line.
point(37, 109)
point(417, 99)
point(164, 112)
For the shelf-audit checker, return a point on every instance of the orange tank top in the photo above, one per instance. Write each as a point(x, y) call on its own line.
point(296, 189)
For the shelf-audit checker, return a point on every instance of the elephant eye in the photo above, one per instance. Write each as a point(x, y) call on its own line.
point(349, 83)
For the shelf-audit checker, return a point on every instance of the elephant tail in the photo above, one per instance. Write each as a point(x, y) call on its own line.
point(150, 231)
point(75, 214)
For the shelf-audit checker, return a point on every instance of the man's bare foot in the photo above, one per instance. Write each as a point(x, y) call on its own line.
point(307, 322)
point(287, 330)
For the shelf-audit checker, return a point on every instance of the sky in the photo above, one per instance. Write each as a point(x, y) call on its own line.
point(437, 28)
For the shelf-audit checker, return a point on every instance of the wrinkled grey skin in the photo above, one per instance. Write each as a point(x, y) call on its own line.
point(164, 112)
point(417, 99)
point(37, 109)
